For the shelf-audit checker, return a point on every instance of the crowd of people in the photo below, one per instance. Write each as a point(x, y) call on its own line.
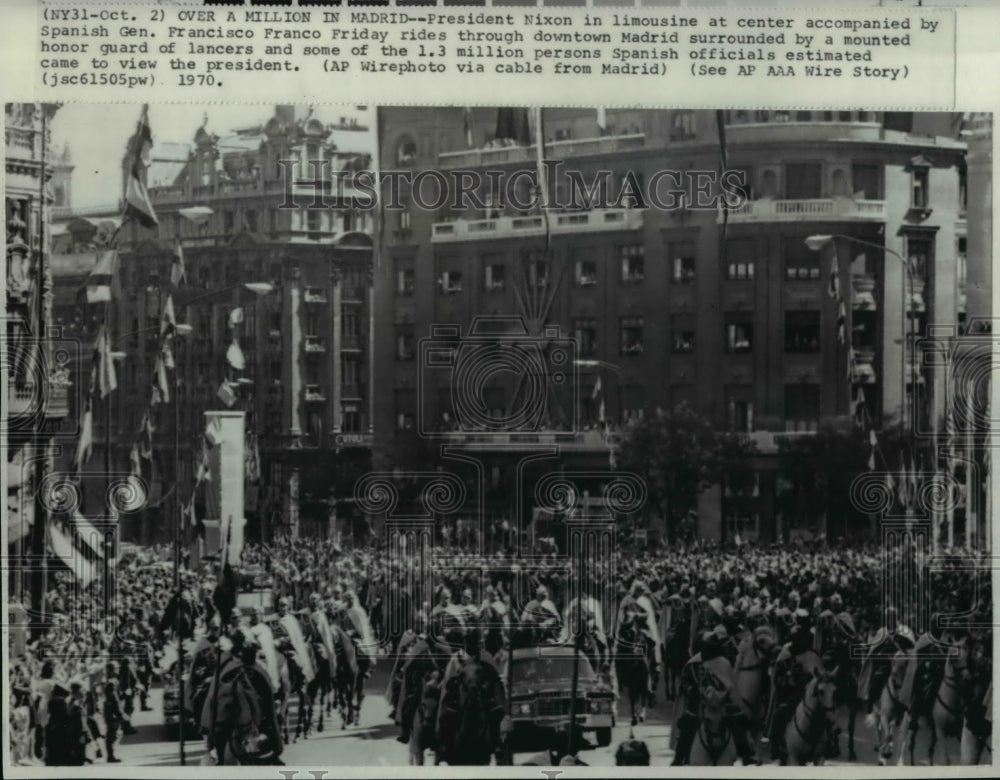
point(75, 687)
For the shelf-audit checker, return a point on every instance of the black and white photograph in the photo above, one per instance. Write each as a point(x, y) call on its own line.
point(383, 436)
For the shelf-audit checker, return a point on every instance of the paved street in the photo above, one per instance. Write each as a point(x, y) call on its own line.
point(373, 743)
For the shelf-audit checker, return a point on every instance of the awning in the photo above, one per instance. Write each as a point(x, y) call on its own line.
point(62, 546)
point(93, 538)
point(863, 300)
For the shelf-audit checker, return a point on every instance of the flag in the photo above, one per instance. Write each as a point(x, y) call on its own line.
point(106, 378)
point(597, 389)
point(720, 124)
point(512, 125)
point(850, 363)
point(161, 384)
point(467, 122)
point(137, 202)
point(203, 472)
point(191, 515)
point(85, 444)
point(602, 118)
point(235, 317)
point(842, 324)
point(100, 279)
point(168, 320)
point(234, 356)
point(834, 290)
point(871, 461)
point(134, 461)
point(213, 432)
point(178, 273)
point(600, 411)
point(146, 431)
point(903, 484)
point(227, 394)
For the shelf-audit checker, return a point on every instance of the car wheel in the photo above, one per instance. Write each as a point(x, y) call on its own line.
point(603, 737)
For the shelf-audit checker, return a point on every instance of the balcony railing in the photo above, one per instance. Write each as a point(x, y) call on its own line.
point(315, 344)
point(313, 295)
point(597, 220)
point(581, 441)
point(809, 208)
point(573, 147)
point(315, 393)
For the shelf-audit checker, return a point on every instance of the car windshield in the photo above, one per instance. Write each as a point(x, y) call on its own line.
point(550, 669)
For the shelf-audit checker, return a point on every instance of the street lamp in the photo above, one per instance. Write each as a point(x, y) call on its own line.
point(908, 350)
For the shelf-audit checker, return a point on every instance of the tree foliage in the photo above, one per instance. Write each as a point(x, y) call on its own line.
point(680, 453)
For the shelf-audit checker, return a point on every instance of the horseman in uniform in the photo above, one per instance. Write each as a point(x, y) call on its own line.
point(637, 606)
point(323, 631)
point(925, 670)
point(262, 635)
point(292, 628)
point(875, 669)
point(792, 672)
point(710, 667)
point(204, 663)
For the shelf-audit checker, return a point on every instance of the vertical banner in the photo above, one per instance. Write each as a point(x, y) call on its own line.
point(225, 432)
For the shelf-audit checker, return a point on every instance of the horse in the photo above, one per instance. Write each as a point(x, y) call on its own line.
point(713, 745)
point(296, 684)
point(752, 669)
point(320, 686)
point(242, 720)
point(888, 713)
point(471, 711)
point(978, 726)
point(632, 667)
point(808, 728)
point(352, 671)
point(848, 702)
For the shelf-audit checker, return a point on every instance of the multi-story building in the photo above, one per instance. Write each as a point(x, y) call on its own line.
point(726, 309)
point(301, 278)
point(35, 358)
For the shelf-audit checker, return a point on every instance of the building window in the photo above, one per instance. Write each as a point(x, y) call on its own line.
point(538, 270)
point(406, 151)
point(739, 333)
point(632, 263)
point(405, 280)
point(350, 325)
point(404, 342)
point(803, 116)
point(685, 126)
point(405, 410)
point(631, 335)
point(681, 334)
point(585, 333)
point(585, 273)
point(866, 181)
point(451, 282)
point(801, 331)
point(350, 420)
point(803, 181)
point(801, 407)
point(684, 269)
point(316, 425)
point(740, 270)
point(742, 524)
point(918, 252)
point(312, 324)
point(632, 404)
point(495, 277)
point(739, 408)
point(801, 263)
point(313, 220)
point(350, 372)
point(918, 189)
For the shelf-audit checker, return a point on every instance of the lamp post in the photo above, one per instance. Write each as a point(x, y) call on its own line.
point(907, 346)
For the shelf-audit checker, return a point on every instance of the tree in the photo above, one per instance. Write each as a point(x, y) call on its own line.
point(816, 473)
point(679, 454)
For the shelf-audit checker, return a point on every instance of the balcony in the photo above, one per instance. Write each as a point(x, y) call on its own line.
point(581, 147)
point(832, 209)
point(314, 295)
point(863, 366)
point(767, 441)
point(314, 393)
point(315, 344)
point(595, 441)
point(864, 292)
point(529, 225)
